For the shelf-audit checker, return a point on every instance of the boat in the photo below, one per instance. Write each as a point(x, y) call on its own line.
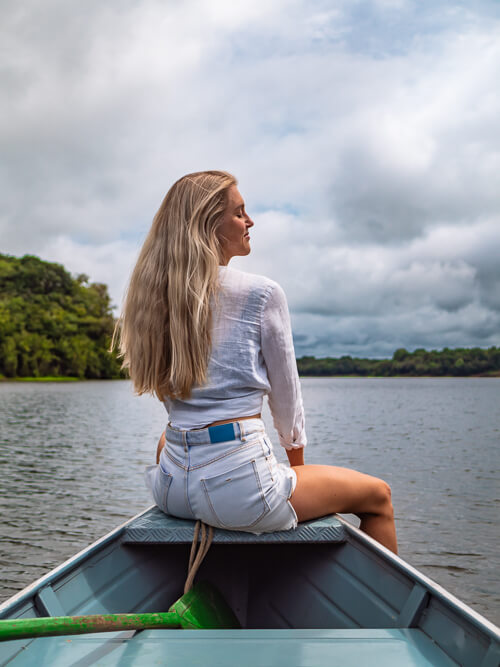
point(323, 594)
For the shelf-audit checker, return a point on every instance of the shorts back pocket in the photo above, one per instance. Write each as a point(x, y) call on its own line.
point(236, 497)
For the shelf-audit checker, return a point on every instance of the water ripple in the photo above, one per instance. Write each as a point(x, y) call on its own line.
point(72, 457)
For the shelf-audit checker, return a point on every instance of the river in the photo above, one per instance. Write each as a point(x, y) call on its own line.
point(72, 456)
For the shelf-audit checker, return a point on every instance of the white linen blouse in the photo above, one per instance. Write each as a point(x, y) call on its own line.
point(252, 355)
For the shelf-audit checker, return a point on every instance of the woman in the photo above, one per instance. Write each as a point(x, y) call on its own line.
point(210, 342)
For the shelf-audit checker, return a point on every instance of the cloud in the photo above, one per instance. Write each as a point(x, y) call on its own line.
point(440, 289)
point(365, 136)
point(110, 263)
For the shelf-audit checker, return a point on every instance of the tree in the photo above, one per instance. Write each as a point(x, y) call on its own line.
point(400, 354)
point(53, 324)
point(459, 362)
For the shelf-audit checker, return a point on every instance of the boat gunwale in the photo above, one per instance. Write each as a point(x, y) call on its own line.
point(429, 584)
point(30, 591)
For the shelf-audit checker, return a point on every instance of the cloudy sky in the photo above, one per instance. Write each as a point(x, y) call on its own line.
point(365, 136)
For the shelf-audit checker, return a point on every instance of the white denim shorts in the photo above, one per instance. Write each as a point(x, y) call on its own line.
point(225, 475)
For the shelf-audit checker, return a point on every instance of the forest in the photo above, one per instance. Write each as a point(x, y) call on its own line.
point(56, 325)
point(52, 324)
point(457, 362)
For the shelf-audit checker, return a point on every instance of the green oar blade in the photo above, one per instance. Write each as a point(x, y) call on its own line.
point(77, 625)
point(203, 607)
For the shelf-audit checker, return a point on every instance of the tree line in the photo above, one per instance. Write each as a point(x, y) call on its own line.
point(457, 362)
point(53, 324)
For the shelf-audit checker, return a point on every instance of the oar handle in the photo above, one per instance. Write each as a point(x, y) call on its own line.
point(78, 625)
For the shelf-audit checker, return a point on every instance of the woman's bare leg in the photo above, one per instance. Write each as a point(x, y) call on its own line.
point(325, 489)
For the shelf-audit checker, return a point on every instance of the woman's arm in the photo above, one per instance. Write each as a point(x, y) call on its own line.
point(296, 456)
point(285, 397)
point(161, 445)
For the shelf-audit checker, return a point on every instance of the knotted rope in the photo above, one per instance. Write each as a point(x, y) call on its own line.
point(198, 551)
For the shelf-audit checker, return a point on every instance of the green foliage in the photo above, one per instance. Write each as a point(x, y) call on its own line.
point(52, 324)
point(400, 354)
point(459, 362)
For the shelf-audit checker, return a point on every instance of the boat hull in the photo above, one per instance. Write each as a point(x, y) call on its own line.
point(324, 594)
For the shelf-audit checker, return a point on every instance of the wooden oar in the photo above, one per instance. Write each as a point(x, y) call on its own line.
point(77, 625)
point(203, 607)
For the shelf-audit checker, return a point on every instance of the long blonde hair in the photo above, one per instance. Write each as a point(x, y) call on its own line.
point(165, 328)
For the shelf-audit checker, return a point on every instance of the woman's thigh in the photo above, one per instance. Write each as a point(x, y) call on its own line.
point(323, 489)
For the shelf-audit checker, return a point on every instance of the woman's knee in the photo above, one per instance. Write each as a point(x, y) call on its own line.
point(382, 498)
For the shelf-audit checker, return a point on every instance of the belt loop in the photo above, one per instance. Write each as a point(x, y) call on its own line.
point(184, 440)
point(241, 426)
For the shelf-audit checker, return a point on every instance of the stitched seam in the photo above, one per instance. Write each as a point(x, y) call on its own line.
point(210, 502)
point(265, 505)
point(267, 294)
point(269, 462)
point(261, 490)
point(168, 482)
point(223, 456)
point(187, 434)
point(186, 482)
point(177, 463)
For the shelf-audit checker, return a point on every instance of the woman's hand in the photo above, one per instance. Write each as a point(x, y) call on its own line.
point(296, 456)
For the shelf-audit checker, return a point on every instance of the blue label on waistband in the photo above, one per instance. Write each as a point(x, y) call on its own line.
point(221, 433)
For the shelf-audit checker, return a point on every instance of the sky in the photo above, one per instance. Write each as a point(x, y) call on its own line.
point(365, 136)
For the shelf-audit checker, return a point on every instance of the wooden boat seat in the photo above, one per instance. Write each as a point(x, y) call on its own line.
point(155, 527)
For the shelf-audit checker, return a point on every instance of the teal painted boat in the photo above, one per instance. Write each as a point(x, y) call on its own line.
point(324, 594)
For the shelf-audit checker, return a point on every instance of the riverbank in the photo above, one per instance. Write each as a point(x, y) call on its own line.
point(48, 378)
point(459, 362)
point(490, 374)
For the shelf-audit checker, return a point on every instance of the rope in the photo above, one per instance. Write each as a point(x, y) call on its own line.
point(198, 552)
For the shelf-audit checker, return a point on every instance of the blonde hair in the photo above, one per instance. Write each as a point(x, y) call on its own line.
point(165, 327)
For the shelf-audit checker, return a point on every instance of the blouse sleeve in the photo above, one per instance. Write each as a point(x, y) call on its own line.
point(285, 397)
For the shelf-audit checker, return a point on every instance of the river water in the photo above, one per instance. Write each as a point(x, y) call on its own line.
point(72, 456)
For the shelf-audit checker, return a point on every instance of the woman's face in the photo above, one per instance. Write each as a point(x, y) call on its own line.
point(233, 232)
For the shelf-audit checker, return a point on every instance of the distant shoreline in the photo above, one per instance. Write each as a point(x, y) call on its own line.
point(493, 374)
point(49, 378)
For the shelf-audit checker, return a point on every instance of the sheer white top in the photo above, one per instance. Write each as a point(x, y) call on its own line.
point(252, 355)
